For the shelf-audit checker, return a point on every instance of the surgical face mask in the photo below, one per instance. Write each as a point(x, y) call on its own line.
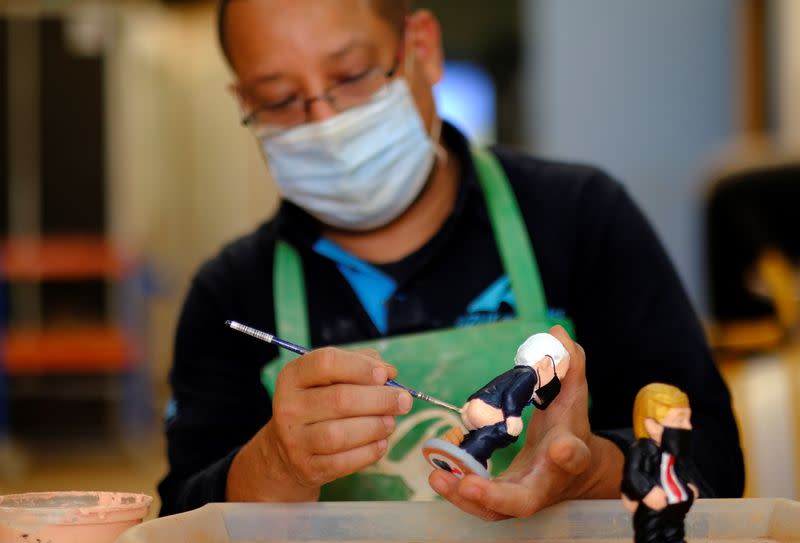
point(360, 169)
point(676, 441)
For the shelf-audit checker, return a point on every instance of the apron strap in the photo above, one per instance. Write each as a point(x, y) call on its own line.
point(289, 292)
point(516, 253)
point(511, 237)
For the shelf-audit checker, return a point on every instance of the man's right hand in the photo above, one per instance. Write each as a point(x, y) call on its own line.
point(331, 416)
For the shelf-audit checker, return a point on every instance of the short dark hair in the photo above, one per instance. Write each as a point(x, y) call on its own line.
point(394, 11)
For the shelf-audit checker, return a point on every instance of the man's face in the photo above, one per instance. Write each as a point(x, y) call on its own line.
point(677, 417)
point(285, 48)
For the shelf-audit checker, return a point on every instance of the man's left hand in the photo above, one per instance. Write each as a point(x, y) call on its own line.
point(561, 458)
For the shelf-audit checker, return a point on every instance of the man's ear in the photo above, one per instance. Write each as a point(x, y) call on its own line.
point(424, 38)
point(654, 429)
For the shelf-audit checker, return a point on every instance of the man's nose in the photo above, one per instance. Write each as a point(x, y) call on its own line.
point(319, 108)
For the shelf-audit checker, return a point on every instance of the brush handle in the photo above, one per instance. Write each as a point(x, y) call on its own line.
point(289, 346)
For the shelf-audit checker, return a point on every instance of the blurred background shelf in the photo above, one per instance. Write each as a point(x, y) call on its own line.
point(62, 258)
point(73, 354)
point(69, 350)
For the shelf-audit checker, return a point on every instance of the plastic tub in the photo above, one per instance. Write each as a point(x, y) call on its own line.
point(69, 517)
point(731, 521)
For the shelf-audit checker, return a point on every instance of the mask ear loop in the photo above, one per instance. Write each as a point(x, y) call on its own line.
point(435, 133)
point(539, 378)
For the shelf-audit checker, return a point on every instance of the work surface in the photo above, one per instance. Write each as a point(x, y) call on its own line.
point(585, 521)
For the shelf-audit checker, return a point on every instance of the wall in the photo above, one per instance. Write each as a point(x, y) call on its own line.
point(787, 18)
point(185, 176)
point(642, 88)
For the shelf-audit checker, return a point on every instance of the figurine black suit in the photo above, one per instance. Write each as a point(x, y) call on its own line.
point(510, 392)
point(642, 472)
point(656, 482)
point(493, 414)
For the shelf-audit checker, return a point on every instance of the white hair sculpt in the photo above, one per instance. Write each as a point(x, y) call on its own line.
point(537, 347)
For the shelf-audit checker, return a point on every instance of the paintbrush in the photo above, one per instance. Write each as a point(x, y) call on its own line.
point(289, 346)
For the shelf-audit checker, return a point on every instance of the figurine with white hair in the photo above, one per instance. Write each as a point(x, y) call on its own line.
point(493, 414)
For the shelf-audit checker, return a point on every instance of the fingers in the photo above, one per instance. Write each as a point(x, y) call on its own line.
point(329, 366)
point(577, 357)
point(330, 437)
point(529, 485)
point(345, 401)
point(499, 499)
point(448, 486)
point(332, 414)
point(324, 468)
point(372, 353)
point(489, 500)
point(504, 499)
point(569, 453)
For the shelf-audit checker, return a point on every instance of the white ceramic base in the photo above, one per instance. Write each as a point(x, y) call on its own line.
point(444, 455)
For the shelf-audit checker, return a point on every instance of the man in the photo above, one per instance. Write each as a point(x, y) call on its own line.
point(394, 231)
point(657, 483)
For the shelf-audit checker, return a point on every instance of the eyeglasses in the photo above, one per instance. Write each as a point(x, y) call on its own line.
point(351, 92)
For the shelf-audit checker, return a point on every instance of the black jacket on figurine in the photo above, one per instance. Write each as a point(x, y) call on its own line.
point(640, 475)
point(509, 392)
point(642, 464)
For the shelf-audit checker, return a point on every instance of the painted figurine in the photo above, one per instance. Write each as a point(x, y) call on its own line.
point(656, 485)
point(493, 414)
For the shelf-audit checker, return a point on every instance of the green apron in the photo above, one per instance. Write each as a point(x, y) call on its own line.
point(449, 364)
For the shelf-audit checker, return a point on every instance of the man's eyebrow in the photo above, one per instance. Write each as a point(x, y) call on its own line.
point(266, 78)
point(341, 52)
point(357, 43)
